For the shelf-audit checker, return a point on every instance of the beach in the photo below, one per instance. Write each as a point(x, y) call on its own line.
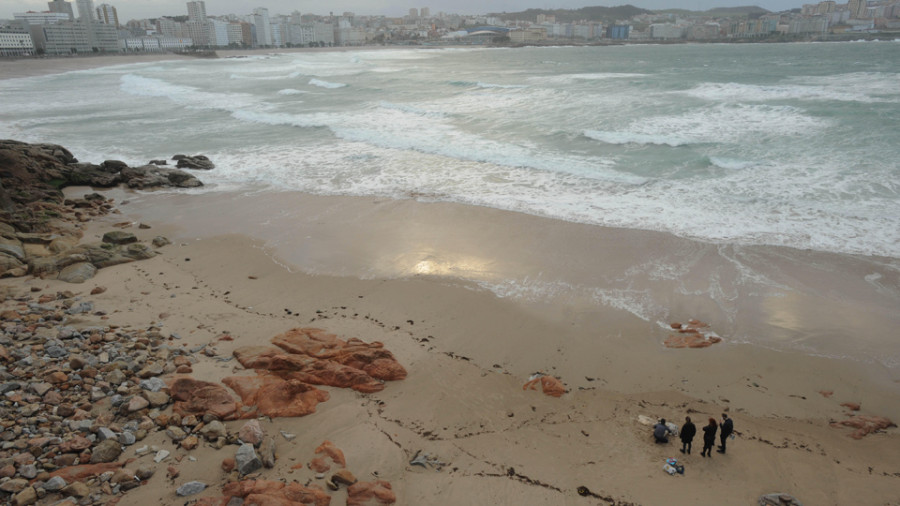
point(384, 270)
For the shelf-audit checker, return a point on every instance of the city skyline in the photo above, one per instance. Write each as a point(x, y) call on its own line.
point(141, 9)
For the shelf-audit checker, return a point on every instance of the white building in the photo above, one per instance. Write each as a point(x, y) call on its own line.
point(62, 6)
point(41, 18)
point(196, 11)
point(107, 15)
point(15, 41)
point(263, 26)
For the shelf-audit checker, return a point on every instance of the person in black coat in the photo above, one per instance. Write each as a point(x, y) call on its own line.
point(688, 430)
point(727, 429)
point(709, 437)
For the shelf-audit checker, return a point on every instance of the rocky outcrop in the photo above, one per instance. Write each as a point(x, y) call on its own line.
point(40, 230)
point(864, 425)
point(196, 162)
point(549, 385)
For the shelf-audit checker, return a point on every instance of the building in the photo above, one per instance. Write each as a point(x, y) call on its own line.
point(196, 11)
point(666, 31)
point(15, 40)
point(107, 15)
point(618, 32)
point(85, 10)
point(528, 35)
point(62, 6)
point(263, 26)
point(41, 18)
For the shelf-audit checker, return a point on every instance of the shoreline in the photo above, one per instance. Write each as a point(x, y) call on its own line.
point(468, 354)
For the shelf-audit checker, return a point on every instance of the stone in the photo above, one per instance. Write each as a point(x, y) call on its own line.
point(106, 451)
point(335, 453)
point(214, 430)
point(14, 485)
point(196, 162)
point(160, 456)
point(153, 384)
point(26, 496)
point(276, 493)
point(246, 459)
point(267, 452)
point(251, 432)
point(137, 403)
point(343, 477)
point(864, 425)
point(77, 489)
point(77, 272)
point(160, 241)
point(119, 237)
point(275, 396)
point(55, 484)
point(364, 493)
point(201, 397)
point(549, 385)
point(144, 472)
point(852, 406)
point(81, 472)
point(121, 476)
point(190, 442)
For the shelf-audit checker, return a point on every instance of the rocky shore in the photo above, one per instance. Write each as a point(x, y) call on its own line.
point(81, 392)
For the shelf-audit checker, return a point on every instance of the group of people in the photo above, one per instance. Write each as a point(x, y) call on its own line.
point(661, 433)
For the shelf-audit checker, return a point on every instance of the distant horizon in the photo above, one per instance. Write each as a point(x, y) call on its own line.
point(145, 9)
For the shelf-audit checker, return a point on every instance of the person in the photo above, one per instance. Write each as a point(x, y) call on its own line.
point(709, 438)
point(727, 429)
point(661, 431)
point(687, 435)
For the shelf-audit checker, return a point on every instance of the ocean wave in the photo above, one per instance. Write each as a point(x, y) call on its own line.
point(739, 92)
point(326, 84)
point(291, 91)
point(635, 138)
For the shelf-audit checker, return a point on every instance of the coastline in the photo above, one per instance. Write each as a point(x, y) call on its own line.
point(468, 354)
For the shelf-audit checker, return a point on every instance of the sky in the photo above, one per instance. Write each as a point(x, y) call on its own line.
point(139, 9)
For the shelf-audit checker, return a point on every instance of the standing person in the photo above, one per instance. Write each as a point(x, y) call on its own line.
point(727, 429)
point(661, 431)
point(709, 438)
point(687, 434)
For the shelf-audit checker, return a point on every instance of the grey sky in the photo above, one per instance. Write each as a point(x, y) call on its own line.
point(136, 9)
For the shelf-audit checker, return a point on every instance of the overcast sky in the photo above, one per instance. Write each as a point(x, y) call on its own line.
point(138, 9)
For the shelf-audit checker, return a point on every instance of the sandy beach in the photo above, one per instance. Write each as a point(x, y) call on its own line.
point(382, 270)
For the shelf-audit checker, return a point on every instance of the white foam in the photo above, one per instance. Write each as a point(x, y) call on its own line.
point(325, 84)
point(739, 92)
point(291, 91)
point(635, 138)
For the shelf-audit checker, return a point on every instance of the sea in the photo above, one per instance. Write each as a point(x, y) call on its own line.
point(792, 146)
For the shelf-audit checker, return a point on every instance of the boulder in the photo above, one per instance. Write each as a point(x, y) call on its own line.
point(864, 425)
point(251, 432)
point(196, 162)
point(77, 273)
point(370, 493)
point(275, 396)
point(119, 237)
point(246, 459)
point(107, 451)
point(276, 493)
point(194, 397)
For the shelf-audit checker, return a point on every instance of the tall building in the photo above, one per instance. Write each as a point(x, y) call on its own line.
point(107, 15)
point(263, 26)
point(425, 12)
point(85, 10)
point(62, 6)
point(196, 11)
point(858, 9)
point(414, 13)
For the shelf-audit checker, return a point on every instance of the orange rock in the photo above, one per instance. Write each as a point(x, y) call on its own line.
point(369, 357)
point(276, 493)
point(81, 473)
point(194, 397)
point(228, 464)
point(307, 369)
point(852, 406)
point(549, 385)
point(172, 472)
point(318, 465)
point(826, 393)
point(328, 448)
point(370, 493)
point(274, 396)
point(865, 425)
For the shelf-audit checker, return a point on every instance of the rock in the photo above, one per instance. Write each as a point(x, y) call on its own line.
point(77, 273)
point(549, 385)
point(328, 448)
point(77, 473)
point(144, 472)
point(196, 162)
point(343, 477)
point(107, 451)
point(14, 485)
point(852, 406)
point(371, 358)
point(26, 496)
point(202, 397)
point(121, 476)
point(160, 241)
point(228, 464)
point(55, 484)
point(157, 399)
point(377, 492)
point(190, 442)
point(12, 247)
point(77, 489)
point(214, 430)
point(160, 456)
point(137, 403)
point(119, 237)
point(246, 459)
point(104, 433)
point(152, 176)
point(267, 452)
point(276, 493)
point(865, 425)
point(251, 433)
point(275, 396)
